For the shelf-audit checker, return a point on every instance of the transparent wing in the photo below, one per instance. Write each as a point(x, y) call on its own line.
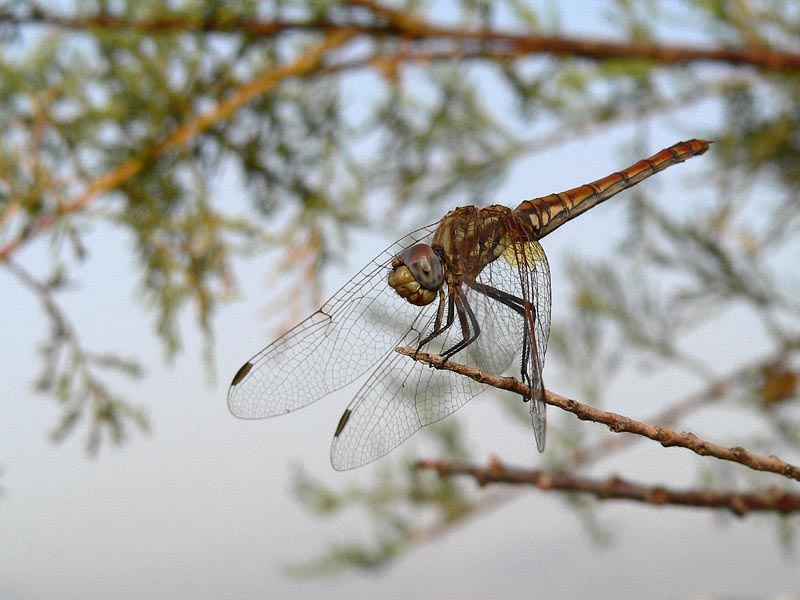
point(401, 396)
point(538, 279)
point(522, 272)
point(350, 333)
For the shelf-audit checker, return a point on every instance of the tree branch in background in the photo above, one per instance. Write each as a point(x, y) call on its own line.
point(245, 93)
point(773, 499)
point(399, 24)
point(413, 28)
point(616, 423)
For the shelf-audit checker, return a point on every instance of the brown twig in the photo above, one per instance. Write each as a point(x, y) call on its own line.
point(112, 179)
point(714, 391)
point(773, 499)
point(182, 23)
point(615, 422)
point(394, 23)
point(413, 27)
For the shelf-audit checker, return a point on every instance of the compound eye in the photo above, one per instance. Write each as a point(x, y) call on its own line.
point(424, 265)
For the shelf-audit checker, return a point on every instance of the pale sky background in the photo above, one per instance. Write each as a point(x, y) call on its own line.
point(202, 506)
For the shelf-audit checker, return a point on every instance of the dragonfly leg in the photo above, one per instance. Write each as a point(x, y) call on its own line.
point(438, 328)
point(526, 355)
point(469, 326)
point(523, 308)
point(516, 304)
point(440, 311)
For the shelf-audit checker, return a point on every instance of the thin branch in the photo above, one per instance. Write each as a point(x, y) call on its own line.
point(182, 23)
point(773, 499)
point(414, 28)
point(617, 423)
point(486, 42)
point(715, 390)
point(59, 376)
point(112, 179)
point(45, 295)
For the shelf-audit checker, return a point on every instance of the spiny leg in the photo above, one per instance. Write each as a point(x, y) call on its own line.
point(466, 317)
point(511, 301)
point(524, 309)
point(438, 328)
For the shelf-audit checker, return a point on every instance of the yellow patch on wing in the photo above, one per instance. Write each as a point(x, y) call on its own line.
point(529, 252)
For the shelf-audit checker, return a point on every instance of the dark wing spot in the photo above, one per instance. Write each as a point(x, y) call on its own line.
point(241, 373)
point(342, 422)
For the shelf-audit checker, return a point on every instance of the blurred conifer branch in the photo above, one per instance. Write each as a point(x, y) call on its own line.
point(774, 499)
point(196, 125)
point(407, 25)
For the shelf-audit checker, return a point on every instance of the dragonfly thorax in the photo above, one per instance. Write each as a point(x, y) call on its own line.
point(417, 274)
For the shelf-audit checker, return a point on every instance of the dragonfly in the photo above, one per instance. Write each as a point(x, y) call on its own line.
point(475, 285)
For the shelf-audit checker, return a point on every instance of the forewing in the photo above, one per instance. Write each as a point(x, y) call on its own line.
point(350, 333)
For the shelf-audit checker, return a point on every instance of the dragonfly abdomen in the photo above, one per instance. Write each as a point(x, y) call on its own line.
point(544, 215)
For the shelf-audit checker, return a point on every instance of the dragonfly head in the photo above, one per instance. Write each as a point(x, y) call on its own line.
point(417, 274)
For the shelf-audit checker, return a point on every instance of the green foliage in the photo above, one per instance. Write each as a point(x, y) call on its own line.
point(405, 504)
